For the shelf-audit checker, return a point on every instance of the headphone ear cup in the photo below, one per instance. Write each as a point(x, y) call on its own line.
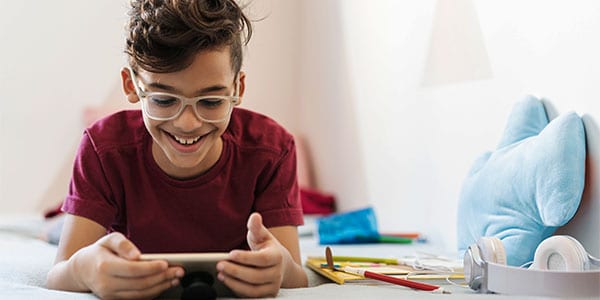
point(560, 252)
point(492, 250)
point(473, 267)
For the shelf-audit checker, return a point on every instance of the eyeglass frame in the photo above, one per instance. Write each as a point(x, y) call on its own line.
point(235, 99)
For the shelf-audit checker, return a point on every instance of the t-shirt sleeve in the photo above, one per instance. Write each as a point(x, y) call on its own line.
point(278, 196)
point(89, 193)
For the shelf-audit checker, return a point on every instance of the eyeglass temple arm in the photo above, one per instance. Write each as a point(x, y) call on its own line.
point(137, 88)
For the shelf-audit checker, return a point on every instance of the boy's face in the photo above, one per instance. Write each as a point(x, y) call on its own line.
point(186, 145)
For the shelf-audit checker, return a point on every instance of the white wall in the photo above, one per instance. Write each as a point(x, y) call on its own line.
point(56, 57)
point(419, 141)
point(272, 60)
point(328, 117)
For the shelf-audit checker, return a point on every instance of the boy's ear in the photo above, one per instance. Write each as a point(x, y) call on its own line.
point(128, 87)
point(242, 83)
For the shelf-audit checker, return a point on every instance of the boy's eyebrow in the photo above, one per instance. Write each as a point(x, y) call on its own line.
point(214, 88)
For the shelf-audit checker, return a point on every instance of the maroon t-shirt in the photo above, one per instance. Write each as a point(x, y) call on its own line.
point(117, 184)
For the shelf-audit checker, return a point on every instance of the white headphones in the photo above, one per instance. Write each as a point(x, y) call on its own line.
point(561, 267)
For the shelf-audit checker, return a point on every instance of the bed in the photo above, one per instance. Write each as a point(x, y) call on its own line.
point(25, 258)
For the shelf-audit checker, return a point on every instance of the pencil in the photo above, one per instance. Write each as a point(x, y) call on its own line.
point(390, 239)
point(389, 261)
point(395, 280)
point(408, 235)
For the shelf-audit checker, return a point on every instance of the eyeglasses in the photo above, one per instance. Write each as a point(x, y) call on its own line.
point(166, 106)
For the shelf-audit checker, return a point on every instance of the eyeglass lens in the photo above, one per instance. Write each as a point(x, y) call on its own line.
point(209, 108)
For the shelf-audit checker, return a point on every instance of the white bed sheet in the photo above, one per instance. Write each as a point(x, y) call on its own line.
point(25, 259)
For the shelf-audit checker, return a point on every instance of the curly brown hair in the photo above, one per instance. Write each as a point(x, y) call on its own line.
point(164, 35)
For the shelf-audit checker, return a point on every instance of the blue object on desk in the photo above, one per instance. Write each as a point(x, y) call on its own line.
point(348, 228)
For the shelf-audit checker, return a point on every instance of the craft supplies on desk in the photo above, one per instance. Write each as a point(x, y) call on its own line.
point(380, 276)
point(388, 266)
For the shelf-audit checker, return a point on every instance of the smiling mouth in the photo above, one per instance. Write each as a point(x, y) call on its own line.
point(186, 141)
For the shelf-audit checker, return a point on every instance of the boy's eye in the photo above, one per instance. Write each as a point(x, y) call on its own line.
point(162, 101)
point(210, 102)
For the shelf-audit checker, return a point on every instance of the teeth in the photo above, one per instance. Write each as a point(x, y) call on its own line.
point(184, 141)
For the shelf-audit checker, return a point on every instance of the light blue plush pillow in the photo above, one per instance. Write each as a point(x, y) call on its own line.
point(526, 188)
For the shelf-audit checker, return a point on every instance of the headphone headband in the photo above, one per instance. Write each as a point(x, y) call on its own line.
point(485, 270)
point(530, 282)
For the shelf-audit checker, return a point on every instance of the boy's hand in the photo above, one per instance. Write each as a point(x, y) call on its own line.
point(110, 269)
point(256, 273)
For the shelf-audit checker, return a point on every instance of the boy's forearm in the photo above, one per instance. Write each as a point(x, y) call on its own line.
point(63, 277)
point(294, 276)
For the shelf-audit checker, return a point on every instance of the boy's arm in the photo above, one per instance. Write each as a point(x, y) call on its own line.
point(295, 275)
point(77, 232)
point(107, 265)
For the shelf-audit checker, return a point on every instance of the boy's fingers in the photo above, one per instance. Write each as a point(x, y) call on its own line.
point(119, 244)
point(150, 292)
point(142, 282)
point(263, 273)
point(245, 289)
point(136, 268)
point(260, 258)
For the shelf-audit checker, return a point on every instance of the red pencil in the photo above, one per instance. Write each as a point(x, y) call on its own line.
point(408, 235)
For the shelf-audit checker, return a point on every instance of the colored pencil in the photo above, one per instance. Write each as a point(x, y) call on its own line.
point(395, 280)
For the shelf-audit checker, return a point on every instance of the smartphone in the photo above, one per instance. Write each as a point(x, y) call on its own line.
point(200, 279)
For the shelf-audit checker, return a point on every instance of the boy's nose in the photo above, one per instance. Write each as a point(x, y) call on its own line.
point(187, 120)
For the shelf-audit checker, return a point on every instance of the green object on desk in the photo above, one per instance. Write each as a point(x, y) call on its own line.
point(389, 261)
point(383, 239)
point(394, 239)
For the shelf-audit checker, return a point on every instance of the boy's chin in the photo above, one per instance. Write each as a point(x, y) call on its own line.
point(186, 166)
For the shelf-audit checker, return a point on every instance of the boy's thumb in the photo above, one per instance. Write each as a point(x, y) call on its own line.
point(257, 232)
point(121, 246)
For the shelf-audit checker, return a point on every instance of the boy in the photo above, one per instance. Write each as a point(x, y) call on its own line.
point(187, 173)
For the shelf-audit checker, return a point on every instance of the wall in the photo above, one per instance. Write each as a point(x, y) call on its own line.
point(272, 59)
point(56, 58)
point(419, 140)
point(328, 117)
